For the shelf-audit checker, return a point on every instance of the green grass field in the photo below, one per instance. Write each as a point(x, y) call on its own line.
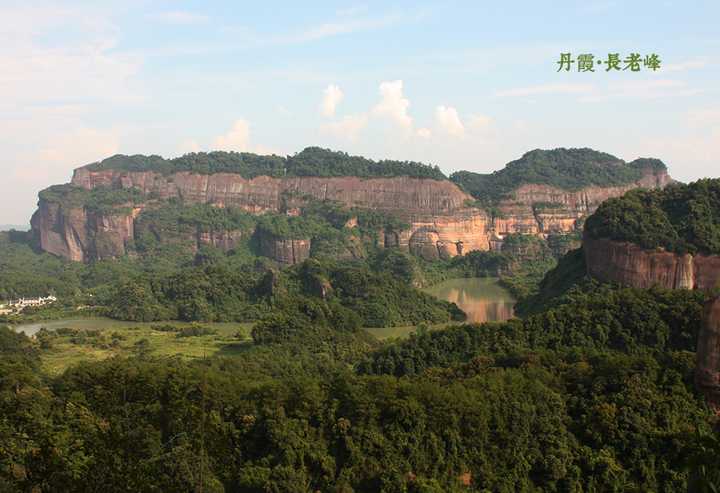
point(61, 349)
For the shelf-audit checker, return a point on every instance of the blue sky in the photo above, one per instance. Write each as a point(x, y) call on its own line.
point(464, 85)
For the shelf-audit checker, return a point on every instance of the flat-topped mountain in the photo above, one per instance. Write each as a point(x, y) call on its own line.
point(97, 214)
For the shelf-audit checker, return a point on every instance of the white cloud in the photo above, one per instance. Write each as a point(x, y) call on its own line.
point(448, 120)
point(393, 104)
point(188, 146)
point(546, 89)
point(236, 139)
point(424, 133)
point(479, 122)
point(181, 17)
point(268, 151)
point(347, 128)
point(86, 68)
point(61, 71)
point(332, 97)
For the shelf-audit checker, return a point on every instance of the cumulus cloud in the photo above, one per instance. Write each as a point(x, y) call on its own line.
point(448, 120)
point(479, 122)
point(393, 104)
point(347, 128)
point(331, 98)
point(236, 139)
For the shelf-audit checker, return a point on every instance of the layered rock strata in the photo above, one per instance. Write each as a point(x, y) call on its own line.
point(442, 224)
point(630, 265)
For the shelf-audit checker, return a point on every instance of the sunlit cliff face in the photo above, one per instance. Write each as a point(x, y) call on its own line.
point(442, 225)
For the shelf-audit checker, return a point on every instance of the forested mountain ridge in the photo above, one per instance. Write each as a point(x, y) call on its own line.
point(95, 216)
point(565, 169)
point(311, 161)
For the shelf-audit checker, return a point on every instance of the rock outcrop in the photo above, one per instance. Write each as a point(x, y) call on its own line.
point(225, 240)
point(630, 265)
point(442, 224)
point(285, 250)
point(78, 234)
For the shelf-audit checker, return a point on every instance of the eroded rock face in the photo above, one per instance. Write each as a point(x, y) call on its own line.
point(263, 193)
point(424, 243)
point(630, 265)
point(427, 205)
point(707, 371)
point(77, 234)
point(224, 240)
point(284, 250)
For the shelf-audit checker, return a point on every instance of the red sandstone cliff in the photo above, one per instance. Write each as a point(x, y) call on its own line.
point(442, 225)
point(630, 265)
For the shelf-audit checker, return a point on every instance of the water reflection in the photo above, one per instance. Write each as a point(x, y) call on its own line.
point(483, 299)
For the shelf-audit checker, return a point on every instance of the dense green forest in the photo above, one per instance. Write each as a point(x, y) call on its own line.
point(680, 218)
point(569, 169)
point(594, 395)
point(345, 295)
point(591, 391)
point(311, 161)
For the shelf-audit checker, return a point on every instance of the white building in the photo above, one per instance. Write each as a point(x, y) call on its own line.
point(17, 306)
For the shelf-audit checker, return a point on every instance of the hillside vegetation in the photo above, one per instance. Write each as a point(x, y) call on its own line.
point(312, 161)
point(593, 395)
point(680, 218)
point(569, 169)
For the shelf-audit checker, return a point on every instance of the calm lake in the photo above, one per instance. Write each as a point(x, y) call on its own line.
point(482, 298)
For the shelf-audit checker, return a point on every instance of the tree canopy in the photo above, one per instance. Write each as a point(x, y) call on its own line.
point(568, 169)
point(680, 218)
point(311, 161)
